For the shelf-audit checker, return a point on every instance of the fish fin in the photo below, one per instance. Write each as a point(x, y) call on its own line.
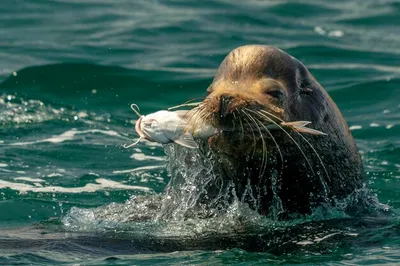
point(309, 131)
point(186, 140)
point(296, 123)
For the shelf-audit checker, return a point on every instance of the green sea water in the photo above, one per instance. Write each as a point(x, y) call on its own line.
point(70, 69)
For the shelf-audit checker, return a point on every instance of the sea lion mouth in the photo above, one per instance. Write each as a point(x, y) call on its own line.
point(246, 119)
point(238, 120)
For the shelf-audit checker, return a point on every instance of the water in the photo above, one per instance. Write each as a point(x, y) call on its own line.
point(70, 194)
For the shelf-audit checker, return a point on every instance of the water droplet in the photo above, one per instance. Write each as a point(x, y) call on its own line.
point(14, 74)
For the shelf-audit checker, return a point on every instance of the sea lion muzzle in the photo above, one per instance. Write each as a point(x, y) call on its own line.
point(224, 108)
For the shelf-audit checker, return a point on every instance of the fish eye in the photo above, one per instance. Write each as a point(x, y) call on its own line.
point(277, 94)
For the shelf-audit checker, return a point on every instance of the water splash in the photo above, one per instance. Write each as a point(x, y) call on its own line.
point(188, 193)
point(198, 210)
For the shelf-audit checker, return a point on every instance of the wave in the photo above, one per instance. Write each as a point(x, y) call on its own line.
point(101, 184)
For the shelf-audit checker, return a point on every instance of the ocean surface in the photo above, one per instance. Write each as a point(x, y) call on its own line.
point(70, 194)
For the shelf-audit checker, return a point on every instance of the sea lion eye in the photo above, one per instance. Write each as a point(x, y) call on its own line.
point(275, 93)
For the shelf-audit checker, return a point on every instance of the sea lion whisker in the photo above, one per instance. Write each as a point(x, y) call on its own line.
point(204, 115)
point(274, 116)
point(318, 156)
point(188, 120)
point(254, 137)
point(316, 153)
point(264, 145)
point(264, 150)
point(274, 140)
point(294, 141)
point(234, 120)
point(198, 115)
point(264, 162)
point(298, 146)
point(249, 122)
point(241, 124)
point(274, 178)
point(309, 144)
point(183, 105)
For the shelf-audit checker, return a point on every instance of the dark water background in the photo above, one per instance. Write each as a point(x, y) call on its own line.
point(69, 70)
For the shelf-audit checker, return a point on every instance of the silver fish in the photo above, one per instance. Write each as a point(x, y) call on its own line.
point(167, 127)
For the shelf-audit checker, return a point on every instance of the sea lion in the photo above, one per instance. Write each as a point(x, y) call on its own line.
point(280, 172)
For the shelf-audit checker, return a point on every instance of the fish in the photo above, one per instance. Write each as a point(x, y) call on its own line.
point(170, 127)
point(167, 126)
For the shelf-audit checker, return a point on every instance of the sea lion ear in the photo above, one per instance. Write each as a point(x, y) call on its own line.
point(306, 91)
point(305, 87)
point(303, 83)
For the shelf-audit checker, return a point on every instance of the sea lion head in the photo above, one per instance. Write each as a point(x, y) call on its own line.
point(259, 85)
point(263, 83)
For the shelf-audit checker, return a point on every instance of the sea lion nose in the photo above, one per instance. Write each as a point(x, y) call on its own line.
point(224, 105)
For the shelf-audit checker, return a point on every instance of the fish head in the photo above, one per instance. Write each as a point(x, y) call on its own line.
point(152, 127)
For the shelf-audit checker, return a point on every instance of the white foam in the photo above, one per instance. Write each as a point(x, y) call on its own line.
point(355, 127)
point(101, 184)
point(3, 165)
point(374, 125)
point(143, 157)
point(9, 171)
point(69, 135)
point(29, 179)
point(54, 175)
point(138, 169)
point(336, 33)
point(319, 30)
